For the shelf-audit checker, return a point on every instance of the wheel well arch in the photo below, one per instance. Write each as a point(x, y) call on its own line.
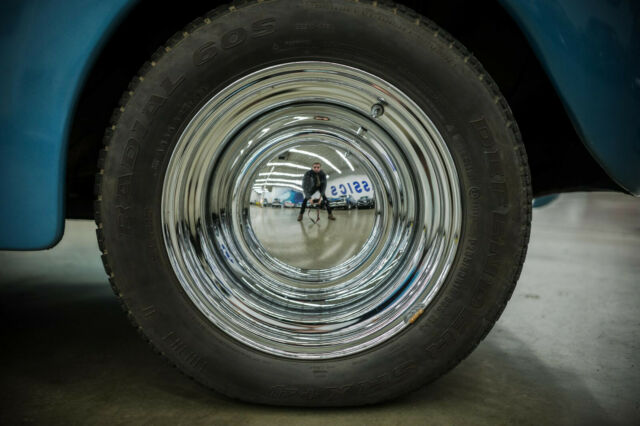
point(558, 159)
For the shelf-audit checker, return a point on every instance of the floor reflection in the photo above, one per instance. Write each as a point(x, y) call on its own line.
point(310, 245)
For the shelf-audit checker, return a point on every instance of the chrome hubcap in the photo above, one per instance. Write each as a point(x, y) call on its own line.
point(313, 289)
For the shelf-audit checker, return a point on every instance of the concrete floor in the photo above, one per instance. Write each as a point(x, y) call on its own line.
point(565, 351)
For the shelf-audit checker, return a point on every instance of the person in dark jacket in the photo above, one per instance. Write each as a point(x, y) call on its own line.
point(315, 180)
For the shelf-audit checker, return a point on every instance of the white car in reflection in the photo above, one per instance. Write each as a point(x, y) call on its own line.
point(276, 202)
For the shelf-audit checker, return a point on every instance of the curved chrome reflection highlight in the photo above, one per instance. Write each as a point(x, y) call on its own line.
point(262, 295)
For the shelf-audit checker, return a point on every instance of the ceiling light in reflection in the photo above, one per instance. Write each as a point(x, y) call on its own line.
point(311, 154)
point(281, 174)
point(286, 185)
point(269, 180)
point(294, 165)
point(263, 186)
point(345, 160)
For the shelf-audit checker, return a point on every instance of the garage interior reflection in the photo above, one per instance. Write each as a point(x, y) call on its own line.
point(315, 242)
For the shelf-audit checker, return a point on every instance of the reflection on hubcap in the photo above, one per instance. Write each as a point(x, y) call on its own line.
point(312, 289)
point(315, 243)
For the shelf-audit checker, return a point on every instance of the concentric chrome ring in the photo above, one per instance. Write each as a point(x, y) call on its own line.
point(241, 281)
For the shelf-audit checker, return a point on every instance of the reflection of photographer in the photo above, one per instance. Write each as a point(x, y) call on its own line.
point(315, 180)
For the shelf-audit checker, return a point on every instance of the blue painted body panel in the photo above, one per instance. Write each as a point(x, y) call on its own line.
point(47, 49)
point(544, 201)
point(590, 50)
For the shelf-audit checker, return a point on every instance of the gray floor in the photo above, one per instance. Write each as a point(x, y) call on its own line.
point(566, 350)
point(315, 242)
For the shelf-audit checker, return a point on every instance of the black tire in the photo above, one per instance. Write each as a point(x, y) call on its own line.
point(394, 43)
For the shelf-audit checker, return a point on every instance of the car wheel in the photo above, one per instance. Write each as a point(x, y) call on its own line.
point(249, 315)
